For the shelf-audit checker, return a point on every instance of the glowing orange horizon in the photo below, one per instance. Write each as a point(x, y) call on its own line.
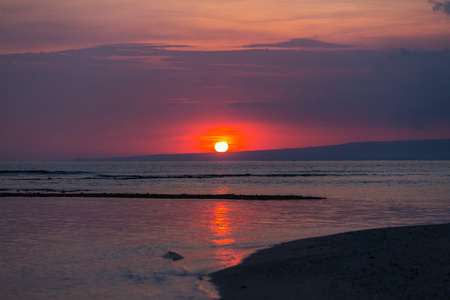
point(231, 136)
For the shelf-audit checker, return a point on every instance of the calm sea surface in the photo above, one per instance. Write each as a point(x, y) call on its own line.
point(98, 248)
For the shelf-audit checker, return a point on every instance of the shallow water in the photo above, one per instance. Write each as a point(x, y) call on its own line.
point(391, 179)
point(71, 248)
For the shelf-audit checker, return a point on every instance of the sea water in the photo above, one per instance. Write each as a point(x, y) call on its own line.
point(99, 248)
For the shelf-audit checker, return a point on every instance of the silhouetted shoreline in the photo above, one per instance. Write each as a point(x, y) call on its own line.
point(163, 196)
point(357, 151)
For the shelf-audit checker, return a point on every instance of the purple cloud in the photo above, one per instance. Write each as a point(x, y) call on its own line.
point(142, 96)
point(443, 6)
point(299, 43)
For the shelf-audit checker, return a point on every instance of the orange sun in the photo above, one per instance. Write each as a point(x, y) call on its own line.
point(221, 146)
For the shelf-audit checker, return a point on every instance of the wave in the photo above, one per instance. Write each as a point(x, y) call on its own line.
point(93, 176)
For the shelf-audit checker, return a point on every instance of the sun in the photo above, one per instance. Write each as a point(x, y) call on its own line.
point(221, 146)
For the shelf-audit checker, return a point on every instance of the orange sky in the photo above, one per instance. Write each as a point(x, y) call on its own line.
point(120, 78)
point(49, 25)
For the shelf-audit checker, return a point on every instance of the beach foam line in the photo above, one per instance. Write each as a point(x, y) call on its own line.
point(390, 263)
point(163, 196)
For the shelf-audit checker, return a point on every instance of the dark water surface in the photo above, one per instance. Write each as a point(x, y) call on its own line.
point(72, 248)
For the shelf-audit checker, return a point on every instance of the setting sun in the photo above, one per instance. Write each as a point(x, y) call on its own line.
point(221, 146)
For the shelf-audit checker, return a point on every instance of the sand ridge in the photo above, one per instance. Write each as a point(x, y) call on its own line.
point(161, 196)
point(390, 263)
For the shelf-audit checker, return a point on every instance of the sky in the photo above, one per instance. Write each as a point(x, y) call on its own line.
point(113, 78)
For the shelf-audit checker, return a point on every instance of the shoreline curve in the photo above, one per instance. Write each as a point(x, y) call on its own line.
point(410, 262)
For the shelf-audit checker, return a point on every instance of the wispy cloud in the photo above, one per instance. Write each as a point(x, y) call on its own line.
point(299, 43)
point(43, 26)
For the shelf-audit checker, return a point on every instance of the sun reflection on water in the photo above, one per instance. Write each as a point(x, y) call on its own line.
point(222, 226)
point(222, 189)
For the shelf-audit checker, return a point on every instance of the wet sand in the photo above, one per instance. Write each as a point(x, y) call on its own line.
point(390, 263)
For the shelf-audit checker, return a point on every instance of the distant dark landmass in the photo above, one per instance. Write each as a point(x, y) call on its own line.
point(393, 150)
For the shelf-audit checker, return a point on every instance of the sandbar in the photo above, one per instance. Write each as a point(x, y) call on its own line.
point(390, 263)
point(162, 196)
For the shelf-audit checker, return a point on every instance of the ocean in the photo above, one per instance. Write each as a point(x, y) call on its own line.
point(113, 248)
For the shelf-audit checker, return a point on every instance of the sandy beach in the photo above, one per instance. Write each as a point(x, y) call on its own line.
point(389, 263)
